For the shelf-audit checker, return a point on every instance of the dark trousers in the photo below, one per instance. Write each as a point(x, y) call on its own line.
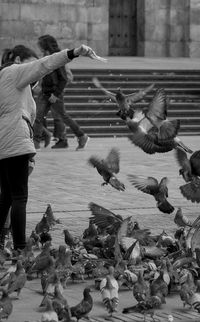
point(14, 194)
point(58, 113)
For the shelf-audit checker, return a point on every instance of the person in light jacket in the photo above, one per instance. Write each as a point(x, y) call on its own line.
point(17, 116)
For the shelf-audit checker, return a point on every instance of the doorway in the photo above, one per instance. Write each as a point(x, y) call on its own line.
point(123, 28)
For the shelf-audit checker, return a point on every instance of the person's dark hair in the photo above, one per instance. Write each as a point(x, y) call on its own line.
point(9, 55)
point(48, 42)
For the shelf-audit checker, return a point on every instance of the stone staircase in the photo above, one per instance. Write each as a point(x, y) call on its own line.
point(96, 114)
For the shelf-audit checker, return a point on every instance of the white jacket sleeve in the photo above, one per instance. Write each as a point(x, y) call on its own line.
point(28, 73)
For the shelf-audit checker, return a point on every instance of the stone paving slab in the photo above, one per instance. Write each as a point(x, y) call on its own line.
point(65, 180)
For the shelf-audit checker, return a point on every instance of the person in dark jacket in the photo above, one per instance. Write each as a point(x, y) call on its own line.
point(51, 98)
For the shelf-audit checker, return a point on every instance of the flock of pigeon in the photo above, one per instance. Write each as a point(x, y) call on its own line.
point(115, 252)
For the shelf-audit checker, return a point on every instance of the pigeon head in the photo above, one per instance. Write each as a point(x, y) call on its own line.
point(86, 291)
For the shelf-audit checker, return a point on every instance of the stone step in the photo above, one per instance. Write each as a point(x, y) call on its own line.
point(133, 71)
point(112, 121)
point(136, 77)
point(96, 114)
point(91, 90)
point(111, 113)
point(89, 96)
point(139, 84)
point(96, 105)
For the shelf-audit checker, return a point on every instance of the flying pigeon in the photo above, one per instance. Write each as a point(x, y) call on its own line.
point(190, 171)
point(124, 101)
point(107, 167)
point(159, 191)
point(152, 131)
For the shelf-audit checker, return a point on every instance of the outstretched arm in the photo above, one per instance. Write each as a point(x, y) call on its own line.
point(28, 73)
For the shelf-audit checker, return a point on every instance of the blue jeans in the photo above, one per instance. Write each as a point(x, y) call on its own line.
point(58, 113)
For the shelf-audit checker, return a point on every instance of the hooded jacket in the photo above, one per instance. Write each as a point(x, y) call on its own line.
point(17, 106)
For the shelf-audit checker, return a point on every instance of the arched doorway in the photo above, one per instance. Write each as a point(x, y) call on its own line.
point(123, 27)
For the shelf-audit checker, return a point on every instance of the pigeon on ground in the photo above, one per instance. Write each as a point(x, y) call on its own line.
point(36, 238)
point(43, 261)
point(17, 279)
point(124, 101)
point(107, 167)
point(49, 315)
point(145, 307)
point(109, 292)
point(152, 131)
point(6, 306)
point(151, 186)
point(63, 259)
point(159, 285)
point(60, 305)
point(190, 171)
point(50, 216)
point(44, 237)
point(69, 239)
point(141, 288)
point(42, 224)
point(82, 309)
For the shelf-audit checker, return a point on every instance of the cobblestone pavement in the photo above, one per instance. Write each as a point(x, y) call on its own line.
point(64, 179)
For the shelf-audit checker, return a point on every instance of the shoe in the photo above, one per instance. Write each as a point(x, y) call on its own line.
point(82, 141)
point(37, 145)
point(60, 144)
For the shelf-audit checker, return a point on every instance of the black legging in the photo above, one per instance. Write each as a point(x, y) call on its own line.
point(14, 194)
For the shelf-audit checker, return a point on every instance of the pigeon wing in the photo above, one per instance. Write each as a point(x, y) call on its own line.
point(163, 186)
point(103, 217)
point(147, 185)
point(112, 160)
point(111, 95)
point(148, 142)
point(157, 111)
point(181, 157)
point(98, 164)
point(136, 97)
point(168, 130)
point(195, 162)
point(191, 190)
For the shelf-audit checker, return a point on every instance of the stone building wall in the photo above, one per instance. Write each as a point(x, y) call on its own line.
point(166, 28)
point(72, 22)
point(194, 28)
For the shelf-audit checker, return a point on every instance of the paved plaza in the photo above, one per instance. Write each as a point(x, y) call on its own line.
point(64, 179)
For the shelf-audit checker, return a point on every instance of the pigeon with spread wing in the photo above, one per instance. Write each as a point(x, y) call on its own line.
point(152, 131)
point(105, 219)
point(107, 167)
point(190, 171)
point(124, 101)
point(159, 191)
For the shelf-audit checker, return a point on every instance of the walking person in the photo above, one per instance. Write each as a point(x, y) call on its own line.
point(17, 115)
point(51, 98)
